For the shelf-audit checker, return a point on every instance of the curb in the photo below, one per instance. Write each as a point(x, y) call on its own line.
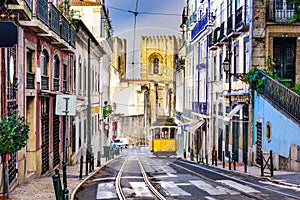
point(87, 178)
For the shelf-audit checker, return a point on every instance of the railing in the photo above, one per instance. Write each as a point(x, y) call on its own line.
point(55, 84)
point(30, 80)
point(54, 19)
point(201, 24)
point(241, 17)
point(192, 18)
point(199, 107)
point(45, 82)
point(279, 11)
point(72, 36)
point(64, 28)
point(229, 25)
point(42, 11)
point(282, 96)
point(222, 29)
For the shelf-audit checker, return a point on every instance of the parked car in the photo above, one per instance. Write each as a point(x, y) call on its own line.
point(121, 142)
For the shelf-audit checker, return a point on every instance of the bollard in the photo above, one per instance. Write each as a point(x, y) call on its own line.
point(271, 163)
point(261, 164)
point(216, 159)
point(57, 187)
point(81, 167)
point(86, 164)
point(99, 159)
point(92, 163)
point(206, 157)
point(229, 160)
point(223, 159)
point(59, 182)
point(66, 194)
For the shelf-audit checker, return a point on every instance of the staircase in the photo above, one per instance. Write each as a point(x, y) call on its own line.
point(282, 97)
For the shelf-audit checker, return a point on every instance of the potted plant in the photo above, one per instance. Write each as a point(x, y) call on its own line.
point(13, 136)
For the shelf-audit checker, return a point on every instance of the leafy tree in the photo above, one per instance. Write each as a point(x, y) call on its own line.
point(296, 15)
point(13, 136)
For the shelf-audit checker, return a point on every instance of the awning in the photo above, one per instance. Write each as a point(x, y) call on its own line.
point(186, 125)
point(194, 126)
point(233, 112)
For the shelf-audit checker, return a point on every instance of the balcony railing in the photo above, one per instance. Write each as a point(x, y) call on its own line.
point(279, 11)
point(283, 97)
point(222, 29)
point(199, 107)
point(42, 11)
point(30, 80)
point(72, 36)
point(216, 35)
point(242, 18)
point(54, 19)
point(192, 18)
point(230, 25)
point(55, 84)
point(64, 29)
point(45, 82)
point(201, 24)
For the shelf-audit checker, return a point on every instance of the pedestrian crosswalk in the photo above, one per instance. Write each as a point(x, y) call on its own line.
point(171, 188)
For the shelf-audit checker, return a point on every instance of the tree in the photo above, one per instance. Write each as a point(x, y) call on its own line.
point(13, 136)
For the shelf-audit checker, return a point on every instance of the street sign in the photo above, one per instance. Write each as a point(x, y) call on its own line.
point(8, 34)
point(106, 127)
point(65, 104)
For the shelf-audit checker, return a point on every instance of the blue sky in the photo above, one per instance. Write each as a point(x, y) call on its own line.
point(146, 24)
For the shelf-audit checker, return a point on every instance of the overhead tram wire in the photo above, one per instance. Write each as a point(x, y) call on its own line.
point(134, 27)
point(143, 13)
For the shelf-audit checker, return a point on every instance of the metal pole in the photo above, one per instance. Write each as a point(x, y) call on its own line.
point(89, 147)
point(65, 191)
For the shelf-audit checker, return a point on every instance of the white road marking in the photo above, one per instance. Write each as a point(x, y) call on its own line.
point(172, 189)
point(282, 186)
point(238, 186)
point(140, 189)
point(105, 179)
point(208, 188)
point(210, 198)
point(106, 191)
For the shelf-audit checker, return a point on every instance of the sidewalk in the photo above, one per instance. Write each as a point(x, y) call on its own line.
point(291, 179)
point(42, 188)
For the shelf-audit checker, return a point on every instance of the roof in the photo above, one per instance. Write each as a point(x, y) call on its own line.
point(164, 122)
point(85, 3)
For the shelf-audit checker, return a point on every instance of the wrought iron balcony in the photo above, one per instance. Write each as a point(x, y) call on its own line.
point(283, 97)
point(72, 36)
point(201, 24)
point(42, 11)
point(56, 84)
point(230, 25)
point(199, 107)
point(242, 19)
point(23, 7)
point(30, 80)
point(279, 11)
point(45, 82)
point(64, 29)
point(54, 18)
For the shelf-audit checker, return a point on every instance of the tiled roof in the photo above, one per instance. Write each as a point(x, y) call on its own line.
point(85, 3)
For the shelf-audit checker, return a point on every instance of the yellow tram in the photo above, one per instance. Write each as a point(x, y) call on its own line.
point(163, 137)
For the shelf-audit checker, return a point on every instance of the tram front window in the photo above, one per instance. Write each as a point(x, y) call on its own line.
point(165, 133)
point(157, 133)
point(172, 133)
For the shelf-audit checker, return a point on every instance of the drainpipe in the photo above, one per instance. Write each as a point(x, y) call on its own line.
point(89, 114)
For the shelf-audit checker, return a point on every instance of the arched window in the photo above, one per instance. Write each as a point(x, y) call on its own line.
point(268, 131)
point(45, 71)
point(156, 66)
point(56, 73)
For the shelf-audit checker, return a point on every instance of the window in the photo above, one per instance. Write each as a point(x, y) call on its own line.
point(65, 75)
point(29, 59)
point(29, 67)
point(268, 131)
point(246, 55)
point(56, 64)
point(215, 68)
point(44, 62)
point(79, 73)
point(236, 60)
point(221, 66)
point(220, 110)
point(156, 66)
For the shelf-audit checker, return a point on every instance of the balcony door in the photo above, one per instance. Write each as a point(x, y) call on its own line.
point(284, 57)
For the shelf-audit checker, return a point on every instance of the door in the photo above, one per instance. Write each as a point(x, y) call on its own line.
point(284, 57)
point(258, 142)
point(45, 133)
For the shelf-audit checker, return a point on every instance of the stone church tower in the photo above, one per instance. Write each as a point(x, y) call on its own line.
point(158, 57)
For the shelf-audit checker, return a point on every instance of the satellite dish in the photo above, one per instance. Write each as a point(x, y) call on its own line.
point(2, 3)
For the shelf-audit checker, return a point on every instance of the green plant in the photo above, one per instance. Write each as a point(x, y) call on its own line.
point(13, 136)
point(296, 88)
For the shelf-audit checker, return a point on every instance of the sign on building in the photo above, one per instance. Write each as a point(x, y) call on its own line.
point(65, 104)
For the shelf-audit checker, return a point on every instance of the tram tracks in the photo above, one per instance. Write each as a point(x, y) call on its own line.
point(120, 191)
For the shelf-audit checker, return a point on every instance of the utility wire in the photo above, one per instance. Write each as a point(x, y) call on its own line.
point(143, 13)
point(134, 27)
